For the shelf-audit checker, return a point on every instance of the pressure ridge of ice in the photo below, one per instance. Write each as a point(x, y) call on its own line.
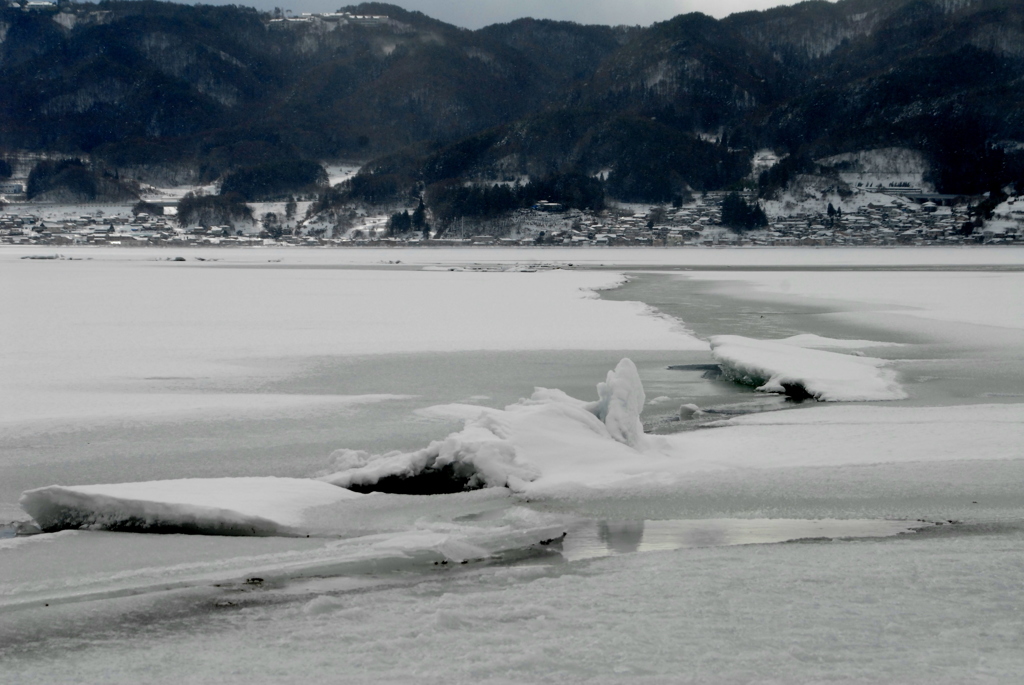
point(550, 445)
point(554, 445)
point(780, 366)
point(515, 446)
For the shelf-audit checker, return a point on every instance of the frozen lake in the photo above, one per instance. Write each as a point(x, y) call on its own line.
point(748, 538)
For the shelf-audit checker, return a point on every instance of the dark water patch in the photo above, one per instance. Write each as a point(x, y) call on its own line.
point(797, 392)
point(707, 371)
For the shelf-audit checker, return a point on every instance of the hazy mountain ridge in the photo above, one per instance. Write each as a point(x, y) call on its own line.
point(677, 105)
point(144, 82)
point(816, 79)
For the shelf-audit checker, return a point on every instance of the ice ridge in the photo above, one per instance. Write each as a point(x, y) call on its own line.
point(510, 447)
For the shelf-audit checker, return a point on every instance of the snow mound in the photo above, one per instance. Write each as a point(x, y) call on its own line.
point(774, 366)
point(549, 433)
point(213, 506)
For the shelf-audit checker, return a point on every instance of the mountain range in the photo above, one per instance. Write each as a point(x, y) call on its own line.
point(152, 88)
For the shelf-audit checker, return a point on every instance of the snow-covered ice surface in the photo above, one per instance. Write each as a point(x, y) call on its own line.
point(781, 367)
point(138, 323)
point(659, 578)
point(939, 609)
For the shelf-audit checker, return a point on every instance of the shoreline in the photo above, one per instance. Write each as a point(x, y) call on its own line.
point(604, 258)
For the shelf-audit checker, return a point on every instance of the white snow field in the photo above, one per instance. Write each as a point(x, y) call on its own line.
point(88, 339)
point(670, 568)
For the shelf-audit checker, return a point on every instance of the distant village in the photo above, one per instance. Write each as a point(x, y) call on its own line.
point(285, 17)
point(908, 220)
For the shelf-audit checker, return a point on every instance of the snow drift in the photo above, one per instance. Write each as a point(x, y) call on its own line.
point(802, 372)
point(212, 506)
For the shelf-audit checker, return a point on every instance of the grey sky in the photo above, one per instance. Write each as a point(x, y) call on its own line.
point(476, 13)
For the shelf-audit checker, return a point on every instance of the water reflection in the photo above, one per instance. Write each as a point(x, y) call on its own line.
point(608, 538)
point(621, 537)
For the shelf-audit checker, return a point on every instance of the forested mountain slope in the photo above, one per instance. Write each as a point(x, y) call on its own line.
point(680, 104)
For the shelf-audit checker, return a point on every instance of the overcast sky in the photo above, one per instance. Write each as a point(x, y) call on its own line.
point(476, 13)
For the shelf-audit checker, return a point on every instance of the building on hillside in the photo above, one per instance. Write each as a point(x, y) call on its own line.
point(366, 19)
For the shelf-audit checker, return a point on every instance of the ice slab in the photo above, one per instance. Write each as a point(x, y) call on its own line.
point(213, 506)
point(773, 366)
point(818, 342)
point(847, 435)
point(83, 565)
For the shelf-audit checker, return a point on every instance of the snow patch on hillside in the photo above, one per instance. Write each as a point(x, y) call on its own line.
point(810, 195)
point(882, 168)
point(1007, 218)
